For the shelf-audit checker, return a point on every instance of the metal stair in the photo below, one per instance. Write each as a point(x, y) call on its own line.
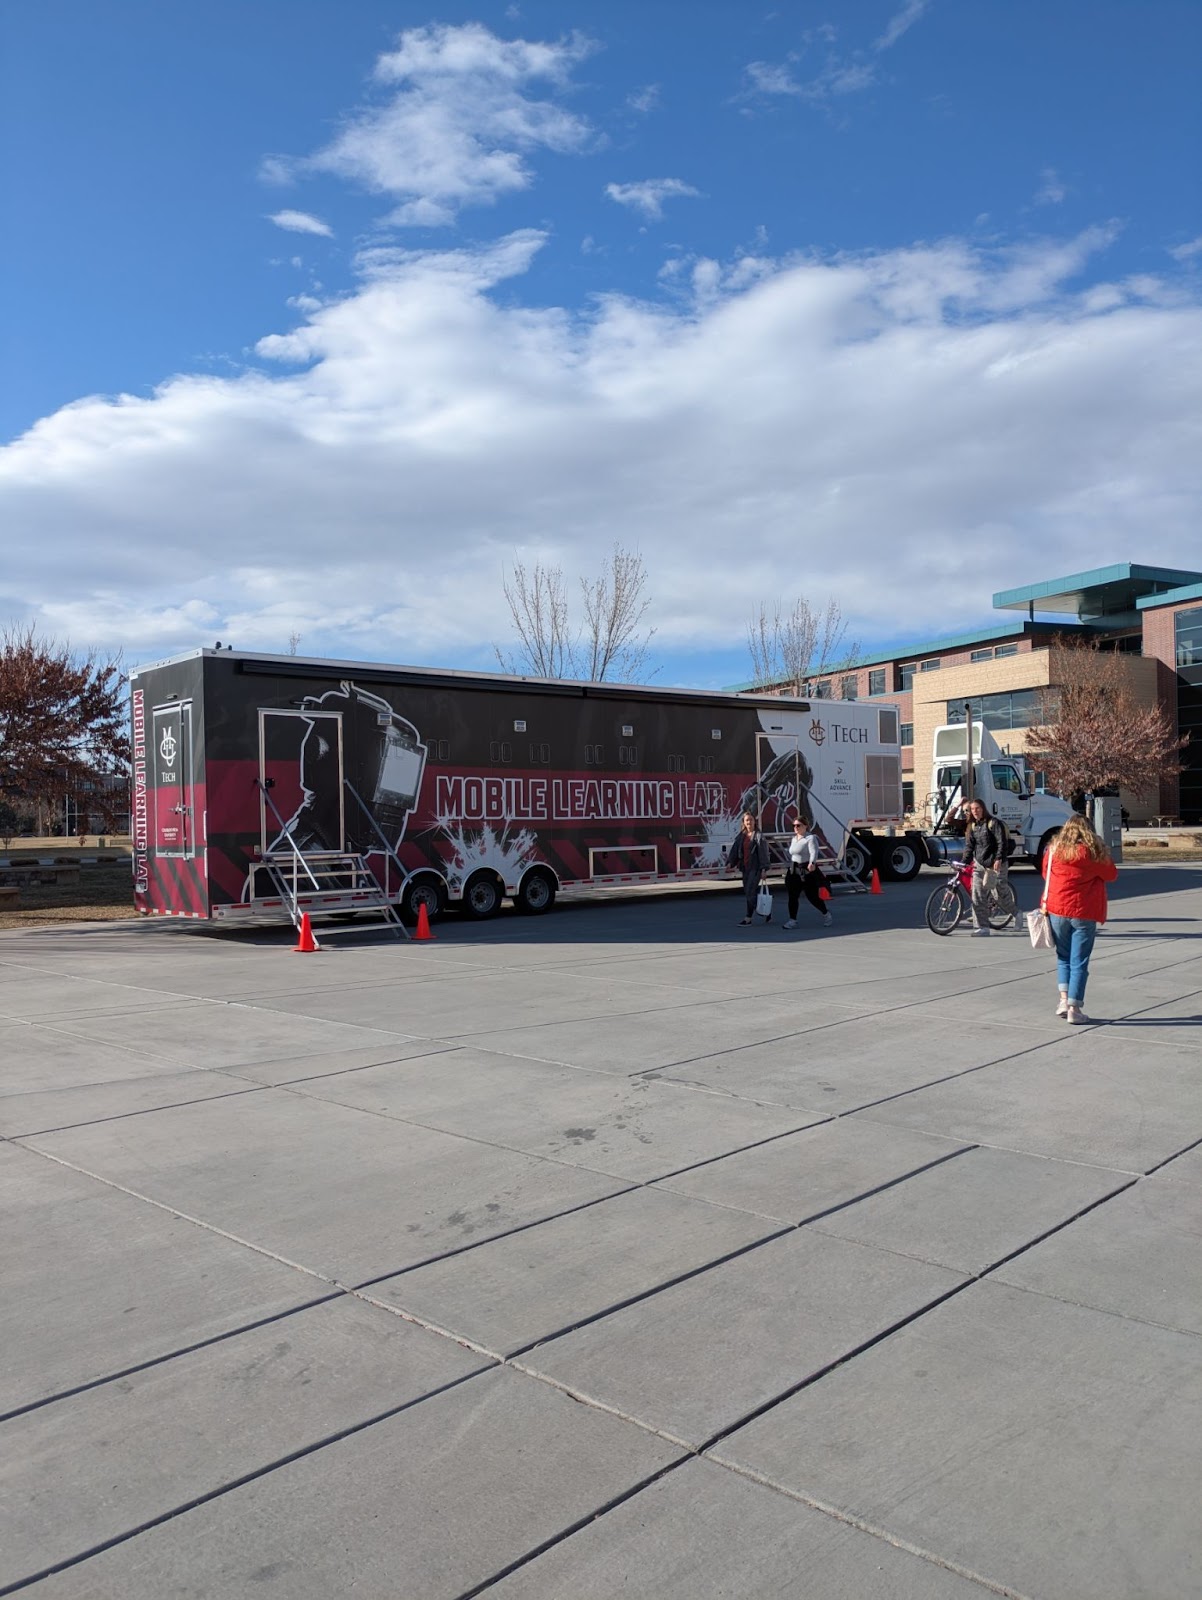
point(325, 884)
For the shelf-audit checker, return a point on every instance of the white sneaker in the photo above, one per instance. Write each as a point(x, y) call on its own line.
point(1075, 1014)
point(828, 920)
point(1062, 1008)
point(790, 923)
point(980, 933)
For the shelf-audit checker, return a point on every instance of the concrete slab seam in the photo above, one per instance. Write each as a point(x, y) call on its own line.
point(139, 1111)
point(170, 1355)
point(873, 1530)
point(1176, 1156)
point(237, 1483)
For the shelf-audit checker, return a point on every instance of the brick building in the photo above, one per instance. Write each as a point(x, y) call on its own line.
point(1151, 616)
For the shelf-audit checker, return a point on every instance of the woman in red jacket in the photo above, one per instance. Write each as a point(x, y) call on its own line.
point(1077, 867)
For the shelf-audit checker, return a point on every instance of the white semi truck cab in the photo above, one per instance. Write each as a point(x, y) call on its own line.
point(1000, 781)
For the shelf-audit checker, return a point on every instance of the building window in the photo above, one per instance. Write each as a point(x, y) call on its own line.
point(905, 676)
point(1188, 628)
point(907, 797)
point(1006, 650)
point(876, 681)
point(931, 665)
point(1017, 709)
point(907, 733)
point(822, 689)
point(847, 689)
point(981, 655)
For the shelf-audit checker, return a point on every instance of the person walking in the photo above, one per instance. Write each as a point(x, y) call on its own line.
point(804, 875)
point(985, 845)
point(1077, 867)
point(748, 855)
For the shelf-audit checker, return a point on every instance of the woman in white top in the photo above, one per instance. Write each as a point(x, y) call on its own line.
point(804, 875)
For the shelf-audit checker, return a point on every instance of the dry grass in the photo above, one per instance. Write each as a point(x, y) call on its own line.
point(101, 893)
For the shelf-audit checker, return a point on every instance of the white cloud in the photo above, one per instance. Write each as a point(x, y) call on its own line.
point(301, 222)
point(899, 23)
point(855, 424)
point(649, 196)
point(457, 124)
point(1051, 191)
point(1187, 252)
point(839, 75)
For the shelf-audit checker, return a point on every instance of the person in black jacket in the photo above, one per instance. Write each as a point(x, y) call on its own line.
point(748, 854)
point(986, 845)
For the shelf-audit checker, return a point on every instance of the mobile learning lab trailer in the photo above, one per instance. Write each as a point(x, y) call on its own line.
point(265, 786)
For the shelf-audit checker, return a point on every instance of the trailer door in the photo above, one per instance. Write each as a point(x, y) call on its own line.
point(301, 792)
point(174, 831)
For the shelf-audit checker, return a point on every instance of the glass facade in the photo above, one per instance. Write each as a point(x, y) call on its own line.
point(876, 681)
point(1016, 708)
point(1188, 630)
point(905, 676)
point(847, 689)
point(931, 665)
point(907, 733)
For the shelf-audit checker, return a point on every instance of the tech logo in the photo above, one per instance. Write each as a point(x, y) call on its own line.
point(167, 747)
point(817, 732)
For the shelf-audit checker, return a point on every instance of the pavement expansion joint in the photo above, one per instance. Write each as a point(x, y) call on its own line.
point(237, 1483)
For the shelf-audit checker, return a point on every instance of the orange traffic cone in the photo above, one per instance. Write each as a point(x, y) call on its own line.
point(876, 882)
point(423, 923)
point(306, 943)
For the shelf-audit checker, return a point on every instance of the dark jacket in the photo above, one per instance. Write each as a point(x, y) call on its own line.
point(748, 854)
point(985, 842)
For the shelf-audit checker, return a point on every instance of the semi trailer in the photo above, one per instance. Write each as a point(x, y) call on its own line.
point(265, 786)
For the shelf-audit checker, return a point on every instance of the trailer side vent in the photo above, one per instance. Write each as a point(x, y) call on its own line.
point(882, 779)
point(627, 730)
point(715, 733)
point(520, 725)
point(887, 725)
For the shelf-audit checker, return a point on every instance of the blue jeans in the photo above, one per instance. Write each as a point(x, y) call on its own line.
point(1074, 938)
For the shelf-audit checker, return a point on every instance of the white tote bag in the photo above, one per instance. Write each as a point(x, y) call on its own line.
point(1040, 930)
point(763, 903)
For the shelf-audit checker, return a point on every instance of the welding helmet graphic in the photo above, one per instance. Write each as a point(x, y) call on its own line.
point(383, 764)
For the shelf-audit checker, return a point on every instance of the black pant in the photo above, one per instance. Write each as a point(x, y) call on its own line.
point(809, 883)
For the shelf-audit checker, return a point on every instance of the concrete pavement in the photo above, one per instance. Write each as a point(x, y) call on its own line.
point(624, 1251)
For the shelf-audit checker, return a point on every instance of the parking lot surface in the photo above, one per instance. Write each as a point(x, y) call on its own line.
point(619, 1252)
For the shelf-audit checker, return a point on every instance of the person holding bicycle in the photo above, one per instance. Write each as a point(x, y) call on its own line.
point(985, 845)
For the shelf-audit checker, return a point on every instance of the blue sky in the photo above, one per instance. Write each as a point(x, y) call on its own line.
point(896, 302)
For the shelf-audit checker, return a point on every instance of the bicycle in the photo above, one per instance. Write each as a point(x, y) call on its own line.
point(951, 903)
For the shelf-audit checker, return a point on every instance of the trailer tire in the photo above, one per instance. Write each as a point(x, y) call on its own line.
point(536, 894)
point(899, 859)
point(482, 896)
point(429, 892)
point(857, 858)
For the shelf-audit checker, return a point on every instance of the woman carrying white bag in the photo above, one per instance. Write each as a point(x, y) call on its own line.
point(1077, 867)
point(748, 855)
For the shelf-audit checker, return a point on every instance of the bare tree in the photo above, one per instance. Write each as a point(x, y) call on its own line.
point(789, 649)
point(1093, 732)
point(610, 643)
point(294, 640)
point(613, 645)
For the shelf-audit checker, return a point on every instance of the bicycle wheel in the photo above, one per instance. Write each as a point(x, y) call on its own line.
point(1003, 907)
point(945, 908)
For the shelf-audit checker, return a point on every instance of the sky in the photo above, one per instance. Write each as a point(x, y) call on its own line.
point(317, 317)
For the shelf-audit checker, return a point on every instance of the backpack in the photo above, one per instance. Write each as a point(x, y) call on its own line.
point(1006, 843)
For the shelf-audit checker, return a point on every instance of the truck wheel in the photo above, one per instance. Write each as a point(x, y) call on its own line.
point(856, 858)
point(427, 892)
point(536, 894)
point(899, 860)
point(481, 896)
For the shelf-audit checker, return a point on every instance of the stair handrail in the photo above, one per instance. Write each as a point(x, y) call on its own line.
point(297, 853)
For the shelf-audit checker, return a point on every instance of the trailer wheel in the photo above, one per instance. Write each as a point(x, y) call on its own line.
point(482, 895)
point(418, 892)
point(536, 894)
point(899, 860)
point(856, 858)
